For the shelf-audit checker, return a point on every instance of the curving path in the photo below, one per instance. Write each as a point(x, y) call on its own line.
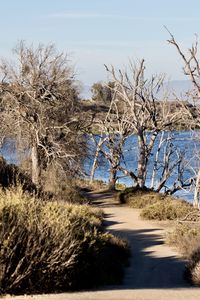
point(155, 271)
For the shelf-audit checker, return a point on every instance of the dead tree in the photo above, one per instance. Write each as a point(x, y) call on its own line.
point(98, 145)
point(114, 130)
point(191, 68)
point(146, 115)
point(39, 101)
point(134, 109)
point(169, 160)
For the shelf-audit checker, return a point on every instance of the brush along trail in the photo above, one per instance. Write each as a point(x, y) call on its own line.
point(156, 271)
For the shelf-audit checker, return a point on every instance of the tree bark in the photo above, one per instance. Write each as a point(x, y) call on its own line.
point(35, 165)
point(197, 191)
point(113, 178)
point(95, 161)
point(142, 162)
point(155, 165)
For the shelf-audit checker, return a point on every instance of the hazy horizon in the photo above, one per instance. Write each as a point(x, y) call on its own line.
point(177, 87)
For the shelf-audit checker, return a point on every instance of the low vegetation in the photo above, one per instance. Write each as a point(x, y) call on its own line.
point(186, 237)
point(11, 175)
point(155, 206)
point(88, 185)
point(193, 267)
point(167, 210)
point(54, 246)
point(139, 198)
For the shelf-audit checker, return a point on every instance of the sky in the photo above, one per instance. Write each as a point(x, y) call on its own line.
point(98, 32)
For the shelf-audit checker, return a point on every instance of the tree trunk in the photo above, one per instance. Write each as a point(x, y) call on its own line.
point(142, 162)
point(94, 166)
point(95, 162)
point(197, 191)
point(113, 178)
point(35, 165)
point(155, 165)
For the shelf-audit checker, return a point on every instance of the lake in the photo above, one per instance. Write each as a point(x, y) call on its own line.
point(186, 142)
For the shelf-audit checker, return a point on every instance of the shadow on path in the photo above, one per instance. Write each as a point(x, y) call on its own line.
point(153, 265)
point(147, 268)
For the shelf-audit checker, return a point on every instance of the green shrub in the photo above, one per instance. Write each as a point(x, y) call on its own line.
point(167, 210)
point(12, 175)
point(43, 245)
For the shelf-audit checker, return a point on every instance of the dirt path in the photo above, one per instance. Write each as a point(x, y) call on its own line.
point(155, 271)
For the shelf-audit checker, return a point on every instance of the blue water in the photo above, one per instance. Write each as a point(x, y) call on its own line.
point(9, 152)
point(186, 142)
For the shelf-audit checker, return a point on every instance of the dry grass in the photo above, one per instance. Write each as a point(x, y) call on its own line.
point(185, 237)
point(193, 267)
point(140, 198)
point(167, 210)
point(56, 183)
point(95, 185)
point(54, 246)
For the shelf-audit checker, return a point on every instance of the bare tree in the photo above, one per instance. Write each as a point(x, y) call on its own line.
point(39, 104)
point(135, 110)
point(146, 116)
point(169, 160)
point(114, 130)
point(191, 68)
point(98, 150)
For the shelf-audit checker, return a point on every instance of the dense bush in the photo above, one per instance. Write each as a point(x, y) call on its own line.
point(12, 175)
point(54, 246)
point(56, 183)
point(139, 198)
point(186, 237)
point(167, 210)
point(101, 262)
point(94, 185)
point(71, 194)
point(193, 267)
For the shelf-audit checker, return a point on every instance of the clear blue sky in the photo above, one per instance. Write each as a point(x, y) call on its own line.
point(95, 32)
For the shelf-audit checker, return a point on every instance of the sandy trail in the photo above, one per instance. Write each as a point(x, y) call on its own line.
point(155, 271)
point(153, 264)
